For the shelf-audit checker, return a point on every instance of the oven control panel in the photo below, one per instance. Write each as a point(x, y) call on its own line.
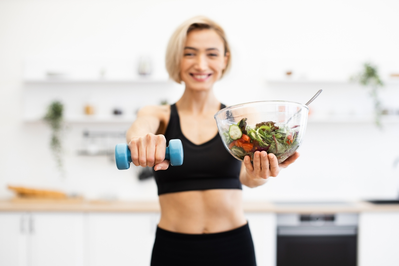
point(335, 219)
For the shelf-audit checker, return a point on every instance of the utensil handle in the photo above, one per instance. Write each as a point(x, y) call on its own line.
point(311, 100)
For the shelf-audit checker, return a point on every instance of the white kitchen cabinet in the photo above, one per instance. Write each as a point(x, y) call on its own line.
point(121, 238)
point(263, 230)
point(13, 239)
point(378, 239)
point(57, 239)
point(41, 239)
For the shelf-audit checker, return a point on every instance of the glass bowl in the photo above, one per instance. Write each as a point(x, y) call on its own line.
point(276, 127)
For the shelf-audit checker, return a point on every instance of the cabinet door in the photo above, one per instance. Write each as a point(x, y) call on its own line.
point(57, 239)
point(379, 239)
point(121, 238)
point(13, 239)
point(263, 230)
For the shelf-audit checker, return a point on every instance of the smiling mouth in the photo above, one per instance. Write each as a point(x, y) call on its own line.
point(200, 77)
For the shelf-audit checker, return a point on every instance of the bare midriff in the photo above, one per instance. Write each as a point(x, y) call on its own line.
point(202, 212)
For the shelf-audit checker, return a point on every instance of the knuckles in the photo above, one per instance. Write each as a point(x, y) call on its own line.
point(150, 161)
point(145, 142)
point(143, 163)
point(159, 158)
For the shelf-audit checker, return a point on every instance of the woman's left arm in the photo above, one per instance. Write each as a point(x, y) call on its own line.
point(264, 165)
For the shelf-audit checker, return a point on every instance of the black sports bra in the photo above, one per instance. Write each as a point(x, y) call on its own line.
point(205, 166)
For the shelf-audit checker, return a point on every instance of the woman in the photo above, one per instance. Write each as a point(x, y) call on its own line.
point(202, 220)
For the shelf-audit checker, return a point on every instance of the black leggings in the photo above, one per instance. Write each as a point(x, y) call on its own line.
point(231, 248)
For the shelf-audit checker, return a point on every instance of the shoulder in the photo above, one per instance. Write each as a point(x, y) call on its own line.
point(160, 111)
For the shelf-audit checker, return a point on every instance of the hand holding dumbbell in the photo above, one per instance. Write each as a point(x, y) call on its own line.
point(174, 153)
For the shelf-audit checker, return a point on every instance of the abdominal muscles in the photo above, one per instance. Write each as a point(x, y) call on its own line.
point(199, 212)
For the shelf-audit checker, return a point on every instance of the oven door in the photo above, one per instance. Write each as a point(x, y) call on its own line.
point(317, 246)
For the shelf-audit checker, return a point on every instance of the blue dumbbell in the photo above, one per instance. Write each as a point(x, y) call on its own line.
point(174, 153)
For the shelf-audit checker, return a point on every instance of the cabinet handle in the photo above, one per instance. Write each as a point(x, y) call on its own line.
point(31, 225)
point(22, 224)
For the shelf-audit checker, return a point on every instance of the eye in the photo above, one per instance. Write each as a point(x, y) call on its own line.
point(213, 55)
point(189, 54)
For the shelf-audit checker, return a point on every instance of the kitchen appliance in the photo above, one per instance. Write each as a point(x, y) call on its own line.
point(384, 201)
point(317, 239)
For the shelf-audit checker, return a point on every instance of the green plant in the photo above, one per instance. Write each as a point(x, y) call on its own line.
point(54, 118)
point(369, 78)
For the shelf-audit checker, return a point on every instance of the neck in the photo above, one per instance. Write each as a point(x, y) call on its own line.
point(198, 101)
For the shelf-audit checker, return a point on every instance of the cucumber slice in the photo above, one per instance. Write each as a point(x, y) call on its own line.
point(239, 152)
point(235, 132)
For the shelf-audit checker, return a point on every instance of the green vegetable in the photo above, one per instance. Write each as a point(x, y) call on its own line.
point(235, 132)
point(237, 151)
point(227, 138)
point(266, 136)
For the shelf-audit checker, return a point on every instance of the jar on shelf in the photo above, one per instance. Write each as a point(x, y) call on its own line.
point(117, 111)
point(89, 108)
point(144, 66)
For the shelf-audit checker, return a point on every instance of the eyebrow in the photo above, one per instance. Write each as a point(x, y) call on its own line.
point(195, 49)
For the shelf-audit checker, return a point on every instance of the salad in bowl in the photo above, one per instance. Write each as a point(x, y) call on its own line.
point(276, 127)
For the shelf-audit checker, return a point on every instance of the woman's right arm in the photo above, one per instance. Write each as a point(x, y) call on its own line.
point(147, 148)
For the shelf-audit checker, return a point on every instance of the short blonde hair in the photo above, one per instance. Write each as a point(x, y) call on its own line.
point(174, 51)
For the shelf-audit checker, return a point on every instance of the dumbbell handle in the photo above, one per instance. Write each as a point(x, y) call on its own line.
point(173, 153)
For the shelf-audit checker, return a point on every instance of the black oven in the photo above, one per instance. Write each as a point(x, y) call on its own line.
point(317, 239)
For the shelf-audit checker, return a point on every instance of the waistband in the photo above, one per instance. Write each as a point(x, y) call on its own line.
point(182, 236)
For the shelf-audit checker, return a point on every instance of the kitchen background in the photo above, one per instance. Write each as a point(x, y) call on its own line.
point(87, 54)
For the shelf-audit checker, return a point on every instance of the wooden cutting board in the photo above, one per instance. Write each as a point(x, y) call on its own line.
point(24, 194)
point(46, 200)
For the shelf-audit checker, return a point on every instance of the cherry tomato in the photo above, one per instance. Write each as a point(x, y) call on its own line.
point(245, 138)
point(247, 146)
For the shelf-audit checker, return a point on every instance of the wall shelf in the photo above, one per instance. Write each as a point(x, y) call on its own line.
point(88, 120)
point(128, 120)
point(388, 120)
point(301, 82)
point(99, 81)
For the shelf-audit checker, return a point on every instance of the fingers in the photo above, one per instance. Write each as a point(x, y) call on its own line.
point(257, 163)
point(248, 164)
point(260, 166)
point(134, 153)
point(160, 149)
point(142, 152)
point(274, 167)
point(264, 165)
point(162, 166)
point(149, 150)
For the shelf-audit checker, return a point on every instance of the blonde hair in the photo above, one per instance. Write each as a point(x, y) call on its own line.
point(174, 51)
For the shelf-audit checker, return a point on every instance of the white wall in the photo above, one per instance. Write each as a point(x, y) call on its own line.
point(318, 40)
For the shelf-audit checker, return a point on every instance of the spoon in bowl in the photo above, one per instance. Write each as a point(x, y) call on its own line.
point(311, 100)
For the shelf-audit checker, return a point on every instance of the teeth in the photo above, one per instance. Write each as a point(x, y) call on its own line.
point(200, 76)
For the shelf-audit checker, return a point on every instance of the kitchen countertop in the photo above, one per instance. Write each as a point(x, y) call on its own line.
point(153, 206)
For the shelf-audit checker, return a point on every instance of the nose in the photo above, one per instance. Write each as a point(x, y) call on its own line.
point(201, 63)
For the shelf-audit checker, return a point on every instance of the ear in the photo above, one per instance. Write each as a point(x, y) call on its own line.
point(226, 59)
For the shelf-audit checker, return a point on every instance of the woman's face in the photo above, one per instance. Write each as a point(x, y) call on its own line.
point(203, 59)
